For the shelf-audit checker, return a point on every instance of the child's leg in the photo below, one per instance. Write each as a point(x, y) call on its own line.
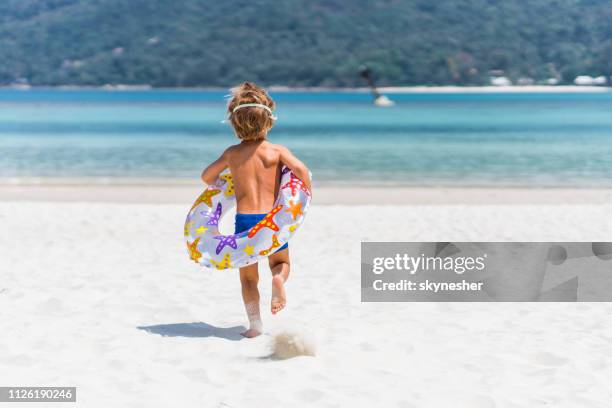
point(279, 265)
point(249, 277)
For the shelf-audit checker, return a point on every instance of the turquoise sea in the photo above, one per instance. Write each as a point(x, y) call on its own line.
point(562, 139)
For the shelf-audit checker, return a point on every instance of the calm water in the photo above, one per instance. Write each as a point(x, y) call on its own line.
point(426, 139)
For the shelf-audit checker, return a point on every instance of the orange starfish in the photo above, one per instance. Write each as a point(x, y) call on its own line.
point(266, 222)
point(274, 245)
point(294, 209)
point(194, 254)
point(206, 198)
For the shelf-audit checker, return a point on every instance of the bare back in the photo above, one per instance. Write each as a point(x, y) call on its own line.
point(256, 167)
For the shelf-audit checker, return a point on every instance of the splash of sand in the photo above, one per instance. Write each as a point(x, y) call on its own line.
point(292, 343)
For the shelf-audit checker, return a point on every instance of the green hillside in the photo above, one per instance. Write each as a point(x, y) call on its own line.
point(300, 43)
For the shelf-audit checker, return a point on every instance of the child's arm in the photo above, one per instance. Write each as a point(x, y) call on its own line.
point(211, 173)
point(298, 168)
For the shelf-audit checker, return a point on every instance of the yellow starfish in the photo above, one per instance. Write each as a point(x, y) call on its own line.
point(225, 264)
point(187, 226)
point(206, 198)
point(229, 191)
point(249, 250)
point(194, 254)
point(274, 245)
point(293, 228)
point(202, 229)
point(294, 209)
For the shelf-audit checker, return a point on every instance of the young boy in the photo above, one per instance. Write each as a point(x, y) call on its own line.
point(256, 166)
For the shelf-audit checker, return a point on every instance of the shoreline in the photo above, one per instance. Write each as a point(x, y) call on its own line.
point(323, 195)
point(498, 89)
point(161, 181)
point(417, 89)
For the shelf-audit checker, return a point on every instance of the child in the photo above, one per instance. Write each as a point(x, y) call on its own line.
point(256, 166)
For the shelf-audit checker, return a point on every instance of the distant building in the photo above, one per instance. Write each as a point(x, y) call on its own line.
point(500, 81)
point(67, 63)
point(20, 83)
point(600, 80)
point(524, 81)
point(585, 80)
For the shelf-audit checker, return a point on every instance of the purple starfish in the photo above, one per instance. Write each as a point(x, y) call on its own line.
point(214, 219)
point(285, 170)
point(225, 240)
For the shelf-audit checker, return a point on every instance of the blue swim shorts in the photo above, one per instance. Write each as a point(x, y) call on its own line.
point(247, 221)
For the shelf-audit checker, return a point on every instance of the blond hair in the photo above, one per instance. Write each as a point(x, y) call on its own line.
point(250, 123)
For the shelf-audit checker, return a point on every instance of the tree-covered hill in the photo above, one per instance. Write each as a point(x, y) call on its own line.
point(300, 43)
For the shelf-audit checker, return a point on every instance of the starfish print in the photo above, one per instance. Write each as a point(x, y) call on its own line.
point(285, 170)
point(187, 226)
point(249, 250)
point(294, 184)
point(194, 254)
point(292, 228)
point(202, 229)
point(229, 191)
point(294, 209)
point(266, 222)
point(224, 264)
point(225, 240)
point(214, 219)
point(274, 245)
point(206, 198)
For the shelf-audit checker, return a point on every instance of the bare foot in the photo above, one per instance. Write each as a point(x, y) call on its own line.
point(251, 333)
point(279, 299)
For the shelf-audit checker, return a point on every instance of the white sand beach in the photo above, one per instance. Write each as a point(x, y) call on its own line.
point(101, 295)
point(457, 89)
point(498, 89)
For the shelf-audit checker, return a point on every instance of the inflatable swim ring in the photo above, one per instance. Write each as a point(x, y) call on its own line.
point(208, 247)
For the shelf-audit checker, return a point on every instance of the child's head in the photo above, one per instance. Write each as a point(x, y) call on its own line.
point(250, 122)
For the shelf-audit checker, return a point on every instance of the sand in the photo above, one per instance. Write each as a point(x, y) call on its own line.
point(498, 89)
point(457, 89)
point(102, 296)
